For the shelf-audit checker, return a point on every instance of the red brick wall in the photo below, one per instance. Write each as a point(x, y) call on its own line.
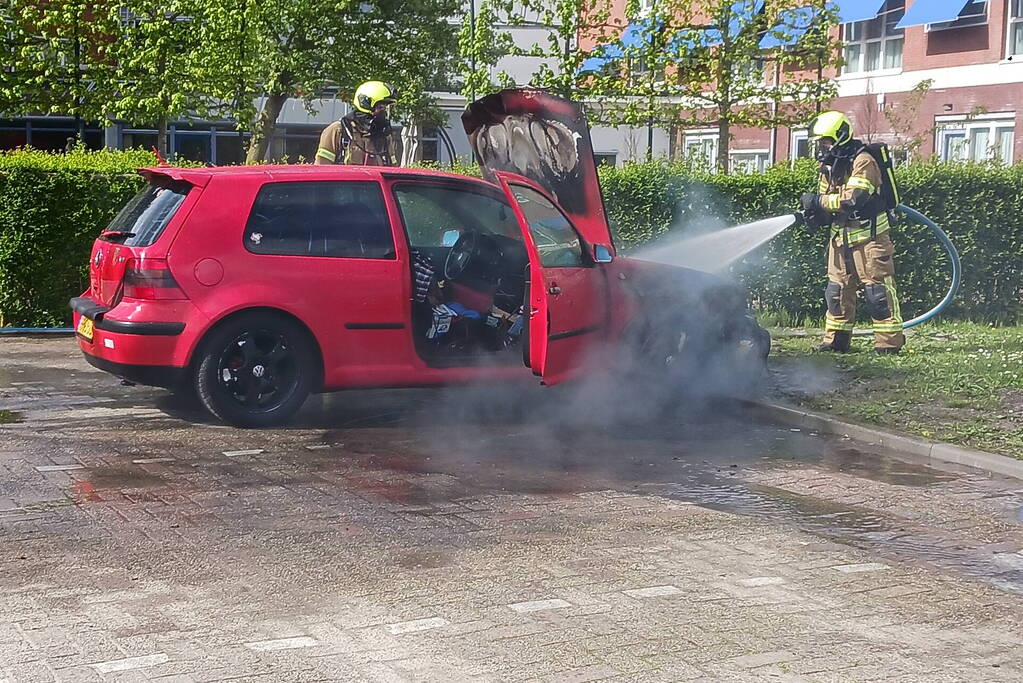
point(956, 47)
point(868, 121)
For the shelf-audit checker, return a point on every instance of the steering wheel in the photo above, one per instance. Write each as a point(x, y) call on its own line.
point(461, 255)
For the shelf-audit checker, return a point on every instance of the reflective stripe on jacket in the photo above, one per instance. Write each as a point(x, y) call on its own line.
point(853, 196)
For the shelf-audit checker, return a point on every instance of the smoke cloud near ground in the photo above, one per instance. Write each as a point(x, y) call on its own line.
point(674, 373)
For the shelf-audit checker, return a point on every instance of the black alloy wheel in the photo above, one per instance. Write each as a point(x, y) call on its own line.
point(255, 370)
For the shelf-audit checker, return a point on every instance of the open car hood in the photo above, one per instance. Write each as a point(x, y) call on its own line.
point(544, 138)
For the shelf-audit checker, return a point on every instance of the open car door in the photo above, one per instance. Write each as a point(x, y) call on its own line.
point(567, 296)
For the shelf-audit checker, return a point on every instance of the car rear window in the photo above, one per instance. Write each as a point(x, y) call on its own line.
point(143, 219)
point(341, 219)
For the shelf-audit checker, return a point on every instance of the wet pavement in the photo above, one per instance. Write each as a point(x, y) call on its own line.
point(483, 533)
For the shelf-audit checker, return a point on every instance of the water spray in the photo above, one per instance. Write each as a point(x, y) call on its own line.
point(715, 251)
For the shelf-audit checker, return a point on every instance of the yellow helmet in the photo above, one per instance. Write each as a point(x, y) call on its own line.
point(372, 93)
point(834, 125)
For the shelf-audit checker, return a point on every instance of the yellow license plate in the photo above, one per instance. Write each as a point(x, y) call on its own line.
point(85, 328)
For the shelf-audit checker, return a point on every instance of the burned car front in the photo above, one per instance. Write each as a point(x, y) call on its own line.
point(667, 322)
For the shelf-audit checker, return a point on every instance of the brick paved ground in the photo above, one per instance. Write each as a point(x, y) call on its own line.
point(393, 536)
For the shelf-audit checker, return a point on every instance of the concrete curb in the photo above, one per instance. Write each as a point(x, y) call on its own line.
point(930, 451)
point(12, 333)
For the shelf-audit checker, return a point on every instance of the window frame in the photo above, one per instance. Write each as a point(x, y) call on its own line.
point(1013, 18)
point(700, 137)
point(794, 137)
point(977, 19)
point(949, 128)
point(383, 207)
point(898, 35)
point(584, 260)
point(762, 159)
point(486, 190)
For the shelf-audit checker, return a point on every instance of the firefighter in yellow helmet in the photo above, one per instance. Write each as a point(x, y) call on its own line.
point(362, 136)
point(860, 250)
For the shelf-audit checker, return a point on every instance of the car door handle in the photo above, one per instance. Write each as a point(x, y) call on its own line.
point(554, 289)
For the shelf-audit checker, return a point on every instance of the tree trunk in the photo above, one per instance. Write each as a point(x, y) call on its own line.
point(265, 127)
point(723, 133)
point(162, 136)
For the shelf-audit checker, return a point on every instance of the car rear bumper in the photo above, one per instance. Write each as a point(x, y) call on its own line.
point(147, 342)
point(166, 376)
point(90, 309)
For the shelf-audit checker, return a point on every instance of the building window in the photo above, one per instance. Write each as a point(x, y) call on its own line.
point(640, 73)
point(294, 144)
point(702, 148)
point(748, 160)
point(605, 159)
point(800, 145)
point(973, 14)
point(48, 133)
point(874, 44)
point(990, 139)
point(429, 145)
point(1015, 28)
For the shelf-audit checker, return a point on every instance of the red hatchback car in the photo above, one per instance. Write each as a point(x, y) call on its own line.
point(256, 285)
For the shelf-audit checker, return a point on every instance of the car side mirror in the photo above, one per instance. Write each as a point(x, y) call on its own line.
point(449, 238)
point(601, 254)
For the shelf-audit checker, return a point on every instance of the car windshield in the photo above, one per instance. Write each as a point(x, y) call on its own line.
point(555, 239)
point(144, 218)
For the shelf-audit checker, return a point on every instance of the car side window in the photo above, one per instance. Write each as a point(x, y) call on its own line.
point(556, 240)
point(342, 219)
point(436, 215)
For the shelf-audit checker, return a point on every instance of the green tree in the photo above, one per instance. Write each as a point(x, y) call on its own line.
point(152, 61)
point(481, 43)
point(486, 37)
point(156, 71)
point(700, 63)
point(299, 48)
point(54, 54)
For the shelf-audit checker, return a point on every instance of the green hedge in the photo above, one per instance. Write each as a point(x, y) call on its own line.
point(979, 206)
point(54, 206)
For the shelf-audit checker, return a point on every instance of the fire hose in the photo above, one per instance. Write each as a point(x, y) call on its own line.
point(953, 257)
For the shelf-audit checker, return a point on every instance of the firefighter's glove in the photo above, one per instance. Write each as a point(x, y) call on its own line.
point(811, 203)
point(814, 216)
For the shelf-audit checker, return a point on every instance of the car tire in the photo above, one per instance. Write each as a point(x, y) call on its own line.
point(255, 370)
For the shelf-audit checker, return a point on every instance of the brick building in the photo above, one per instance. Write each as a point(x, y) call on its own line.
point(969, 55)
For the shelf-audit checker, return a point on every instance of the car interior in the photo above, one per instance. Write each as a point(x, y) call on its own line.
point(469, 267)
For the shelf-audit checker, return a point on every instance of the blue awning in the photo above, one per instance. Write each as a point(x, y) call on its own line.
point(634, 35)
point(591, 64)
point(791, 27)
point(932, 12)
point(599, 58)
point(858, 10)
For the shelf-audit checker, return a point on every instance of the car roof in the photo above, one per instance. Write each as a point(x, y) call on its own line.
point(201, 175)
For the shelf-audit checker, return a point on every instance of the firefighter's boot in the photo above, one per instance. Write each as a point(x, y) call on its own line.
point(839, 344)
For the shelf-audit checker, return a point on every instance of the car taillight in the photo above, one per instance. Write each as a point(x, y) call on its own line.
point(150, 278)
